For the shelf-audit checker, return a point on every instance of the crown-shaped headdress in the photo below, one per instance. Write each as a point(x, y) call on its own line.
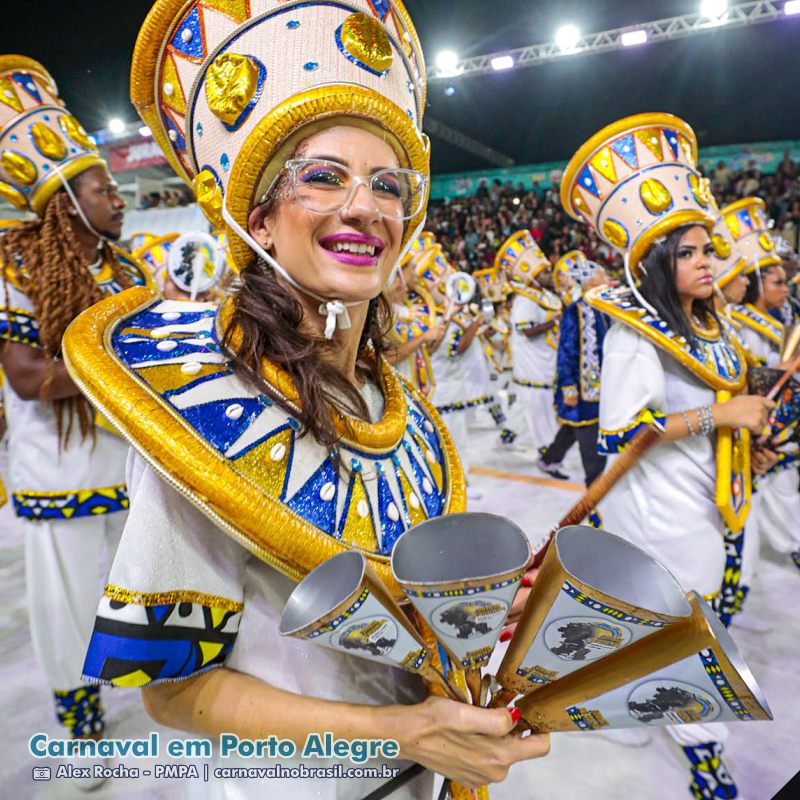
point(230, 87)
point(493, 284)
point(635, 181)
point(41, 144)
point(521, 258)
point(576, 267)
point(746, 220)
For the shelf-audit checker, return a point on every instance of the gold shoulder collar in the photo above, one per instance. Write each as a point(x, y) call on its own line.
point(538, 296)
point(155, 369)
point(763, 324)
point(136, 269)
point(718, 361)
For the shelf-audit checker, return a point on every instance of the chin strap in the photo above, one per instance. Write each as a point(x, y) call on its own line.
point(632, 286)
point(334, 311)
point(101, 240)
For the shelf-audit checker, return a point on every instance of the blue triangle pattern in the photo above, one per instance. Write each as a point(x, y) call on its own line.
point(24, 81)
point(310, 506)
point(194, 47)
point(672, 141)
point(380, 8)
point(209, 420)
point(625, 148)
point(159, 612)
point(586, 181)
point(433, 501)
point(390, 529)
point(179, 141)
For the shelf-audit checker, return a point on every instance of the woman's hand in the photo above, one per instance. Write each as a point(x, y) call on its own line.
point(470, 745)
point(762, 459)
point(749, 411)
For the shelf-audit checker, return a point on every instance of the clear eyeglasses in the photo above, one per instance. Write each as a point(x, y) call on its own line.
point(326, 187)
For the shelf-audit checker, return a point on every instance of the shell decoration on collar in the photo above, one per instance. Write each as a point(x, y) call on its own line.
point(230, 87)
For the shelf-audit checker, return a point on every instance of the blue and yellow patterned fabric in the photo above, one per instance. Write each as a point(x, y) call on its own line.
point(765, 325)
point(142, 638)
point(579, 360)
point(70, 505)
point(157, 371)
point(710, 779)
point(714, 356)
point(613, 442)
point(79, 710)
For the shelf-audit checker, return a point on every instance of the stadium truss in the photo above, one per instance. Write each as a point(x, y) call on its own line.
point(659, 31)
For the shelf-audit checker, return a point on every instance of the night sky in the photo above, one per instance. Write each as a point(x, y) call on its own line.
point(732, 86)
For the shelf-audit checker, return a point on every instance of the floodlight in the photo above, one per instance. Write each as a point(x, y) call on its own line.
point(116, 125)
point(502, 62)
point(631, 38)
point(713, 9)
point(791, 7)
point(447, 62)
point(567, 37)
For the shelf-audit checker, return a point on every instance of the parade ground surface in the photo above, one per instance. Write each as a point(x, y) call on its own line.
point(762, 755)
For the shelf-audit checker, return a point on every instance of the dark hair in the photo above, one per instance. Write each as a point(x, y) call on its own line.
point(659, 288)
point(270, 320)
point(754, 284)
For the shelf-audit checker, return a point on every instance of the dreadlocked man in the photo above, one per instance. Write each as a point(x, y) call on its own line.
point(66, 472)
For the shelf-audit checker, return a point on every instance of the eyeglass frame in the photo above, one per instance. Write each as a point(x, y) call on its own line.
point(292, 164)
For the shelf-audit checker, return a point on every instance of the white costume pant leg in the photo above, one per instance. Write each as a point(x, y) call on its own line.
point(66, 563)
point(697, 733)
point(456, 422)
point(540, 415)
point(780, 511)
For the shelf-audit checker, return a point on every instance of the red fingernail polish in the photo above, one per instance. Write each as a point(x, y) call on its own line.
point(526, 581)
point(505, 636)
point(516, 714)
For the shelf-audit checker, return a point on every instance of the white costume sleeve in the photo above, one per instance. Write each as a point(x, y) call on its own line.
point(174, 598)
point(632, 388)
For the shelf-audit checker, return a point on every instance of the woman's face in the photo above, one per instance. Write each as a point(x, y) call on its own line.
point(734, 292)
point(774, 287)
point(313, 248)
point(693, 278)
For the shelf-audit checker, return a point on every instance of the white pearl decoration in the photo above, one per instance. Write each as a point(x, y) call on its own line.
point(169, 89)
point(392, 512)
point(327, 492)
point(414, 501)
point(191, 368)
point(165, 347)
point(173, 135)
point(429, 454)
point(428, 425)
point(427, 486)
point(171, 316)
point(278, 451)
point(234, 411)
point(186, 35)
point(362, 508)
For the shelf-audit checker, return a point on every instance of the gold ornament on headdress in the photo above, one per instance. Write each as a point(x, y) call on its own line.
point(19, 167)
point(365, 40)
point(721, 247)
point(231, 84)
point(75, 131)
point(48, 142)
point(209, 197)
point(655, 196)
point(12, 195)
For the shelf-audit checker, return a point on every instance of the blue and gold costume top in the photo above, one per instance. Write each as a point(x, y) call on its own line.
point(579, 360)
point(156, 370)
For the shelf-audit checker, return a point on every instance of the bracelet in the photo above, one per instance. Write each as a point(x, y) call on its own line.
point(706, 418)
point(692, 431)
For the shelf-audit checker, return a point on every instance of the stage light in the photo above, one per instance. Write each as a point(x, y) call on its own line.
point(447, 62)
point(792, 7)
point(713, 9)
point(116, 125)
point(567, 37)
point(145, 131)
point(502, 62)
point(631, 38)
point(450, 91)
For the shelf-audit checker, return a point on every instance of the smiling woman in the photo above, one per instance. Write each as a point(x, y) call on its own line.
point(275, 418)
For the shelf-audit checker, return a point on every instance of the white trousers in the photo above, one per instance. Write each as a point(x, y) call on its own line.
point(456, 422)
point(540, 415)
point(779, 521)
point(66, 563)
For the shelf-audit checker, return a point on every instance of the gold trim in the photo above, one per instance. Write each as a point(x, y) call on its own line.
point(276, 135)
point(763, 263)
point(755, 325)
point(295, 546)
point(730, 273)
point(149, 280)
point(63, 493)
point(601, 138)
point(52, 183)
point(745, 202)
point(726, 447)
point(525, 291)
point(169, 598)
point(155, 242)
point(633, 320)
point(14, 62)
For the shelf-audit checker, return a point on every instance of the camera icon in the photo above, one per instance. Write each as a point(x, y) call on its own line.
point(41, 773)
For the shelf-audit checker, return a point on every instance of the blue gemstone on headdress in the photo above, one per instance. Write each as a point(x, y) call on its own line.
point(73, 149)
point(310, 66)
point(586, 180)
point(410, 86)
point(190, 45)
point(292, 24)
point(225, 162)
point(355, 464)
point(13, 137)
point(380, 8)
point(46, 117)
point(27, 83)
point(410, 114)
point(45, 167)
point(199, 128)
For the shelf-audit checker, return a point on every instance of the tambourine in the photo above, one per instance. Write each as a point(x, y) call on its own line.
point(460, 288)
point(195, 263)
